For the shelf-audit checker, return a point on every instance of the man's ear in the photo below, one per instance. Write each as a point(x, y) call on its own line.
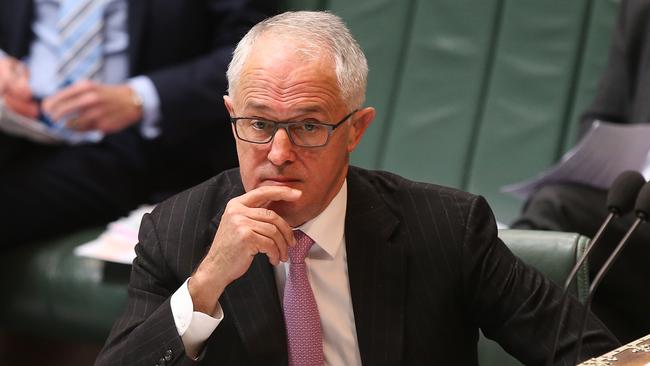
point(360, 122)
point(227, 101)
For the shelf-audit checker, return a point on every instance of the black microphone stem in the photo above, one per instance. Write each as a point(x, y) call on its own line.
point(598, 278)
point(567, 284)
point(585, 255)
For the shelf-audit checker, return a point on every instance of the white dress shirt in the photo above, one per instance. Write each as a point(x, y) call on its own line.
point(327, 270)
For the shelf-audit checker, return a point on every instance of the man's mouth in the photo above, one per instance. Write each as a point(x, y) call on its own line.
point(279, 181)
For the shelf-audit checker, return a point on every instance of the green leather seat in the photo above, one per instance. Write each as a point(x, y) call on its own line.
point(552, 253)
point(48, 291)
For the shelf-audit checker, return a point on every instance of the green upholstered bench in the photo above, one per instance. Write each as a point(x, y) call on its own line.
point(48, 291)
point(469, 93)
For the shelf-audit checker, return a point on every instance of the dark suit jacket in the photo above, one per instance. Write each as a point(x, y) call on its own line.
point(426, 270)
point(184, 47)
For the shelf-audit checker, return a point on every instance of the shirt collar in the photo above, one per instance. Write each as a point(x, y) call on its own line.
point(327, 228)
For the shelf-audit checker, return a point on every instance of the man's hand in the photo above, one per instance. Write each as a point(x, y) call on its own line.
point(14, 87)
point(246, 228)
point(88, 105)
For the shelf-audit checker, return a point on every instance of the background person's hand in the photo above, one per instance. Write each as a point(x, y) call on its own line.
point(9, 70)
point(88, 105)
point(14, 87)
point(246, 228)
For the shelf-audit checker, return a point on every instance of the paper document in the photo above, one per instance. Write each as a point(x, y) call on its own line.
point(605, 151)
point(15, 124)
point(117, 243)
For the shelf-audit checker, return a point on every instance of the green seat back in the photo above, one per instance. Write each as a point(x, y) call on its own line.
point(538, 65)
point(49, 290)
point(440, 90)
point(382, 28)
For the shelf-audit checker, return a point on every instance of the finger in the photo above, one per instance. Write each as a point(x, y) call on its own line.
point(21, 106)
point(8, 72)
point(19, 86)
point(261, 196)
point(87, 119)
point(76, 106)
point(62, 103)
point(267, 246)
point(74, 124)
point(254, 243)
point(269, 216)
point(272, 232)
point(6, 67)
point(21, 73)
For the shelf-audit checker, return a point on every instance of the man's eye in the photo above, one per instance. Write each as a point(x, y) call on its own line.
point(259, 125)
point(310, 127)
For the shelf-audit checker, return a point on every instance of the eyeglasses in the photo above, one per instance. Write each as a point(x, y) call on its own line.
point(304, 134)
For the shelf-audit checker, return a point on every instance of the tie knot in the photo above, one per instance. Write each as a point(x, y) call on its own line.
point(298, 252)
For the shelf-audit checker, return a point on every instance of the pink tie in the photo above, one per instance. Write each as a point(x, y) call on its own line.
point(300, 309)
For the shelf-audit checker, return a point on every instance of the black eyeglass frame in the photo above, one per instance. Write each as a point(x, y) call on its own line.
point(285, 125)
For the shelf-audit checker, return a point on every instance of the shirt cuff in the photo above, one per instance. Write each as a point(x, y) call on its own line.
point(144, 88)
point(194, 327)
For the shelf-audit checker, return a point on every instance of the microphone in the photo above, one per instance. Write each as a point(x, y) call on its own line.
point(642, 210)
point(620, 200)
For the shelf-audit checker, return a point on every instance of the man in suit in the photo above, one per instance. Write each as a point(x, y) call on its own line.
point(396, 272)
point(622, 301)
point(156, 99)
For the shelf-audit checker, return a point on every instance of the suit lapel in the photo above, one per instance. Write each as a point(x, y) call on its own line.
point(376, 268)
point(137, 18)
point(17, 17)
point(253, 304)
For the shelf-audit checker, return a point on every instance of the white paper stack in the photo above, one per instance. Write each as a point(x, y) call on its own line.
point(606, 150)
point(117, 243)
point(15, 124)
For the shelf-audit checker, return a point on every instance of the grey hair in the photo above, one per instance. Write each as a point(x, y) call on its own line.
point(316, 31)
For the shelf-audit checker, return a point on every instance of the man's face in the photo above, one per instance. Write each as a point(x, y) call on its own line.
point(279, 84)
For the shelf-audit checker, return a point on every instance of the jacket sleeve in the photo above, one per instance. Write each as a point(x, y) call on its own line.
point(146, 333)
point(516, 305)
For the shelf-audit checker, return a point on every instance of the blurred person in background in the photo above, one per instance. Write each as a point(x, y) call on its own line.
point(134, 88)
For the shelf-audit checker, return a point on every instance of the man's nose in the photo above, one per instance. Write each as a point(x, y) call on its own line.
point(282, 149)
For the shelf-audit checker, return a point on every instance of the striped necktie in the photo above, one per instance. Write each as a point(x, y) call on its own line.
point(81, 32)
point(301, 316)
